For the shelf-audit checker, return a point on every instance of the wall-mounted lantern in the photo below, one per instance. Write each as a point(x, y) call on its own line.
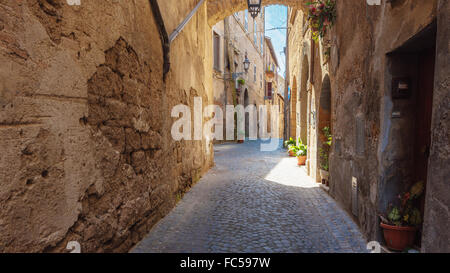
point(246, 63)
point(254, 7)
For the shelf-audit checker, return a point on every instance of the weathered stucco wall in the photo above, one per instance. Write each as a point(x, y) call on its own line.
point(436, 237)
point(86, 150)
point(362, 104)
point(368, 143)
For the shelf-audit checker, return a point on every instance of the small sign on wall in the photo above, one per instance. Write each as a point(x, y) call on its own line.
point(401, 88)
point(355, 196)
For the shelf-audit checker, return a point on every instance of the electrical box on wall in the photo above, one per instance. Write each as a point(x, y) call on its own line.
point(355, 196)
point(401, 88)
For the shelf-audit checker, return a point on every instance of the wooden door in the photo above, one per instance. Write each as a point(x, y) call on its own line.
point(424, 109)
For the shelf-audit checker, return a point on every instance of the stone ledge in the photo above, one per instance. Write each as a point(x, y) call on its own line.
point(325, 188)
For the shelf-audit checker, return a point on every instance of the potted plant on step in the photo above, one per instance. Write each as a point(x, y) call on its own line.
point(289, 145)
point(292, 150)
point(402, 220)
point(291, 141)
point(302, 152)
point(324, 156)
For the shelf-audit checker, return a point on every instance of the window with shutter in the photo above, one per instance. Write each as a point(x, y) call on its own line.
point(269, 90)
point(216, 51)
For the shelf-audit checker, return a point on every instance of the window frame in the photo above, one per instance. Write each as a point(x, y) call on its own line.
point(216, 51)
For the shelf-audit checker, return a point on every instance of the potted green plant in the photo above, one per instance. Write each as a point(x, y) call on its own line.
point(292, 150)
point(402, 220)
point(291, 141)
point(241, 81)
point(288, 144)
point(324, 156)
point(302, 152)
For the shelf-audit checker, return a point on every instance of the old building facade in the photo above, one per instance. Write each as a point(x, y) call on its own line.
point(238, 38)
point(272, 80)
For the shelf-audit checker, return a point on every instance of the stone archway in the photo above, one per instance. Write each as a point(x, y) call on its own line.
point(220, 9)
point(304, 100)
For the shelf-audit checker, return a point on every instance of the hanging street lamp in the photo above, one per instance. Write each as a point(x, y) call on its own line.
point(254, 7)
point(246, 63)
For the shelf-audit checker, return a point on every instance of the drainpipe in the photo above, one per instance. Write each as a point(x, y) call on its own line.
point(163, 35)
point(166, 40)
point(227, 55)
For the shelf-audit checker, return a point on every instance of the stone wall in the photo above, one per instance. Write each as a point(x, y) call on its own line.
point(85, 121)
point(436, 237)
point(361, 105)
point(368, 143)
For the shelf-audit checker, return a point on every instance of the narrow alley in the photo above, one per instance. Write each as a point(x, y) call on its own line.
point(124, 126)
point(254, 201)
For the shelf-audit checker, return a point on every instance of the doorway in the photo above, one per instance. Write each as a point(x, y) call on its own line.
point(411, 89)
point(424, 108)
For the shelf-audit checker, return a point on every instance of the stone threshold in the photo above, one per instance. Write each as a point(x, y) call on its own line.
point(384, 249)
point(325, 188)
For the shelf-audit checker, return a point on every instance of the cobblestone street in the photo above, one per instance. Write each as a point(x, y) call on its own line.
point(254, 201)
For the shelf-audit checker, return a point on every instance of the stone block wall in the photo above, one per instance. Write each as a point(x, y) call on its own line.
point(368, 144)
point(85, 121)
point(436, 237)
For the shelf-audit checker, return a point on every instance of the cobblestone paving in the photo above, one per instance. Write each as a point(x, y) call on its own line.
point(254, 201)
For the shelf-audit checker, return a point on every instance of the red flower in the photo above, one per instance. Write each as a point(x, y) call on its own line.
point(407, 195)
point(322, 6)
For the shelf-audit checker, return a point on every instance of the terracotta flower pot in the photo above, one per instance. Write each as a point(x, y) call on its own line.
point(301, 160)
point(398, 238)
point(291, 153)
point(240, 141)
